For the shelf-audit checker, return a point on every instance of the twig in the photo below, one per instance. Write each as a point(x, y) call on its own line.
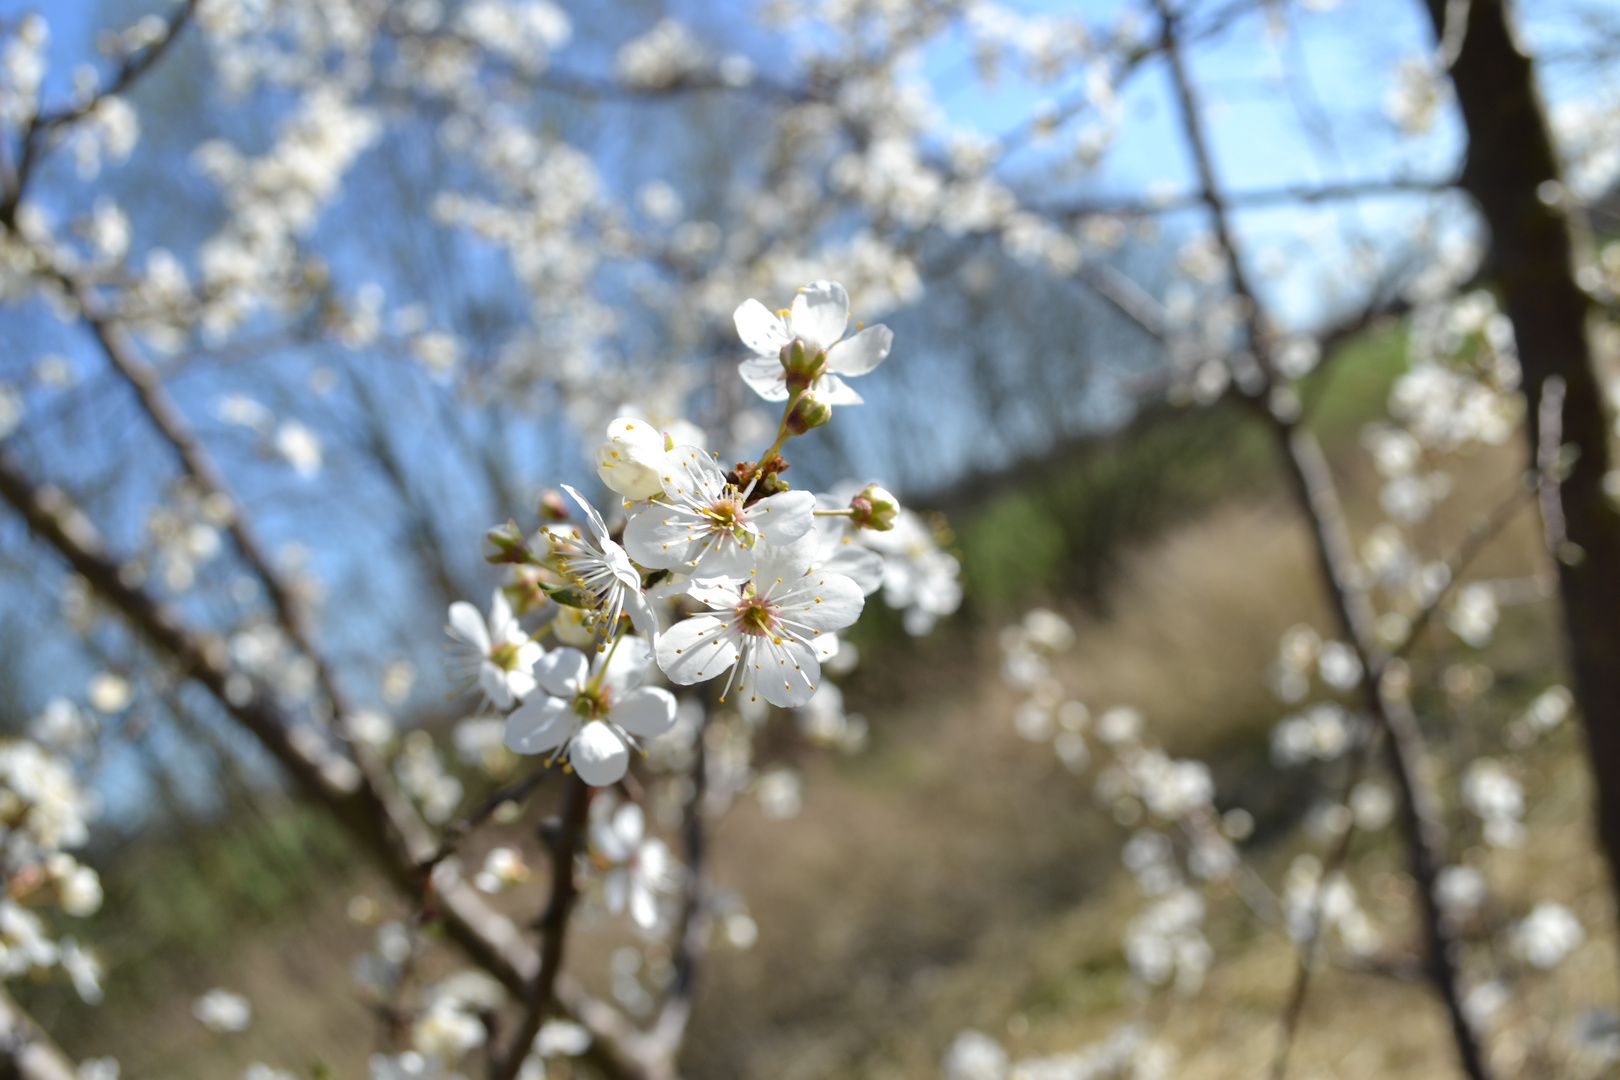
point(26, 1052)
point(44, 125)
point(670, 1027)
point(553, 924)
point(454, 833)
point(1317, 495)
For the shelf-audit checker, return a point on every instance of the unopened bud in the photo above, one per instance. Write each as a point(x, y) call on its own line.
point(505, 544)
point(874, 508)
point(525, 593)
point(808, 412)
point(552, 506)
point(804, 362)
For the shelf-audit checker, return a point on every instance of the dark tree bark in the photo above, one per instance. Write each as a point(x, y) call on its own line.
point(1535, 240)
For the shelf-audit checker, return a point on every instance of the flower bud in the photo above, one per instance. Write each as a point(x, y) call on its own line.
point(804, 362)
point(631, 462)
point(808, 412)
point(505, 544)
point(874, 508)
point(525, 592)
point(552, 507)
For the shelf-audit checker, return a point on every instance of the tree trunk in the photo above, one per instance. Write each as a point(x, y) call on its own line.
point(1513, 175)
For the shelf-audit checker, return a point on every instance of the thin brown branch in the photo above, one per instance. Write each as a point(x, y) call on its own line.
point(26, 1052)
point(1316, 494)
point(669, 1029)
point(44, 126)
point(1349, 190)
point(540, 996)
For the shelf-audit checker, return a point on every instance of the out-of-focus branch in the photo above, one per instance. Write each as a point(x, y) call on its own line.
point(171, 424)
point(26, 1052)
point(44, 125)
point(367, 804)
point(1349, 190)
point(1317, 495)
point(670, 1028)
point(540, 995)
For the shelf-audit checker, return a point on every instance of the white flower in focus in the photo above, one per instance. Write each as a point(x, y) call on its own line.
point(222, 1011)
point(1547, 935)
point(774, 630)
point(706, 528)
point(817, 320)
point(593, 710)
point(633, 460)
point(600, 569)
point(499, 655)
point(639, 868)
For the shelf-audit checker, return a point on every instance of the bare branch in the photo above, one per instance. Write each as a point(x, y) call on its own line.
point(45, 125)
point(1317, 495)
point(26, 1052)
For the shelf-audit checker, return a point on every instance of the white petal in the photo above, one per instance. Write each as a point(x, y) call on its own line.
point(641, 434)
point(501, 623)
point(492, 681)
point(721, 557)
point(765, 377)
point(783, 518)
point(719, 595)
point(538, 725)
point(832, 390)
point(787, 562)
point(820, 313)
point(701, 647)
point(562, 672)
point(661, 537)
point(630, 824)
point(693, 478)
point(467, 625)
point(785, 674)
point(647, 712)
point(643, 905)
point(860, 564)
point(628, 667)
point(520, 683)
point(615, 887)
point(820, 601)
point(598, 526)
point(825, 647)
point(642, 615)
point(761, 329)
point(598, 755)
point(861, 353)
